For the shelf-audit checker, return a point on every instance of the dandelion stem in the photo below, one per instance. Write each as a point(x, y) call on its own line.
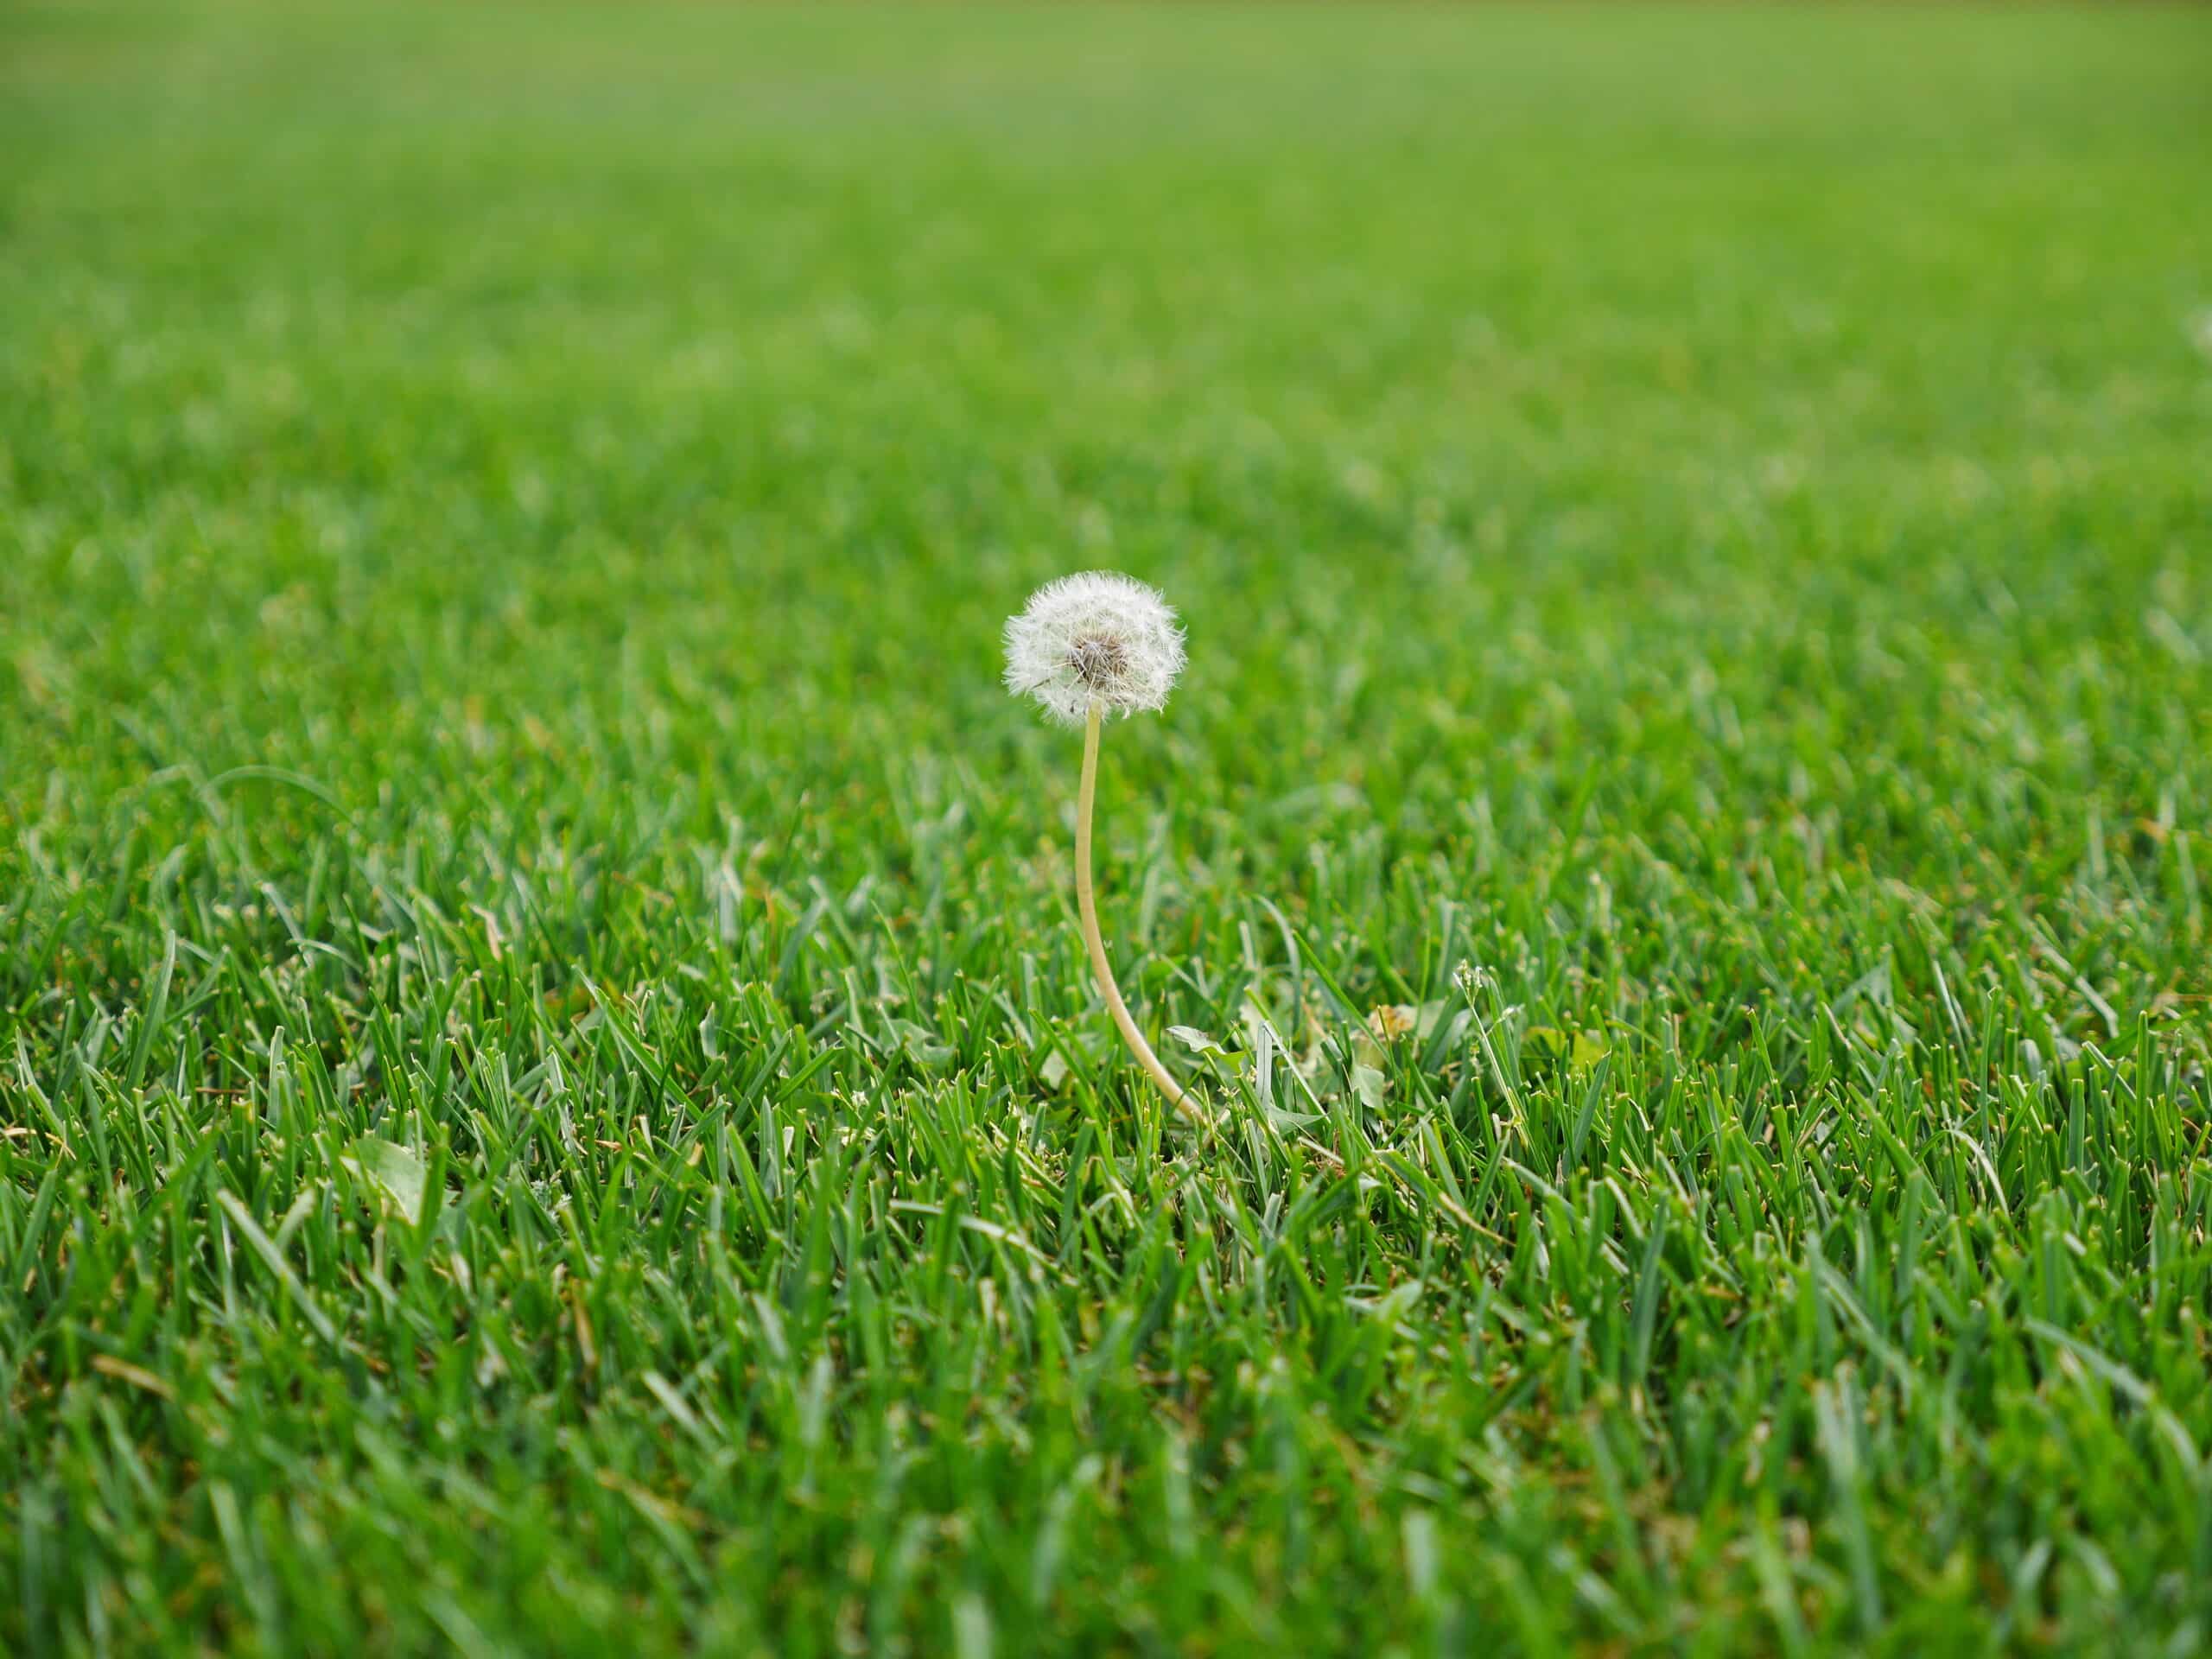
point(1088, 905)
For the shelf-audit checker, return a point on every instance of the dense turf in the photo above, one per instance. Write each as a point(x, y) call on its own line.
point(551, 1099)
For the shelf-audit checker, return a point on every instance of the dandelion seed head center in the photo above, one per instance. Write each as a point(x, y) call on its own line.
point(1099, 659)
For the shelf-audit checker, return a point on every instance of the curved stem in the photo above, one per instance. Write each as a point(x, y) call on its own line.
point(1088, 905)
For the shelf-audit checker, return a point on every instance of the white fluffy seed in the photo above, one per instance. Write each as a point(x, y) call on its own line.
point(1097, 637)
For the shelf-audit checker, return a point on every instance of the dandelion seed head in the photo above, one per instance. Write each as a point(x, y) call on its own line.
point(1096, 636)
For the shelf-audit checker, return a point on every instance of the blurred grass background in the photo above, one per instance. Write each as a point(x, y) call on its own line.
point(504, 518)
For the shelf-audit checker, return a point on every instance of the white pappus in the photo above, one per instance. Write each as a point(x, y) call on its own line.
point(1097, 637)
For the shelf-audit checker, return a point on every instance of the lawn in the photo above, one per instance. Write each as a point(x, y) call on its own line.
point(551, 1099)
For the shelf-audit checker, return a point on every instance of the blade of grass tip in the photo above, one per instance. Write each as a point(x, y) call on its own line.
point(630, 1043)
point(1836, 1406)
point(1518, 1114)
point(1645, 1317)
point(434, 1197)
point(273, 1259)
point(150, 1018)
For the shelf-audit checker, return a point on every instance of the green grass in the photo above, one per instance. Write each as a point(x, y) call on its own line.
point(551, 1098)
